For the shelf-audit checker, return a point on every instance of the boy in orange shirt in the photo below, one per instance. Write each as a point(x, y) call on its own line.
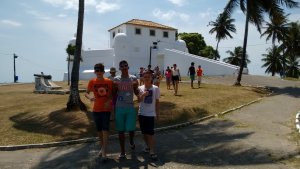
point(102, 90)
point(199, 75)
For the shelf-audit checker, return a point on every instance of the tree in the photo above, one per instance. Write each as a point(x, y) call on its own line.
point(235, 57)
point(194, 41)
point(74, 98)
point(272, 60)
point(276, 29)
point(291, 47)
point(222, 27)
point(70, 51)
point(255, 11)
point(209, 52)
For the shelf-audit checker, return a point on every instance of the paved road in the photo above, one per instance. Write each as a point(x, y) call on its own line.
point(256, 136)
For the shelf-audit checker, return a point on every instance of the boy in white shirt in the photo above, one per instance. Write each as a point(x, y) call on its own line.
point(148, 110)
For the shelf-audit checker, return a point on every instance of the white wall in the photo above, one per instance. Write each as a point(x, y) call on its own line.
point(209, 66)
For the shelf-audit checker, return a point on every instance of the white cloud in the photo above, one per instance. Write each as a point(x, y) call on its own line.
point(178, 2)
point(38, 15)
point(11, 23)
point(104, 7)
point(101, 6)
point(169, 15)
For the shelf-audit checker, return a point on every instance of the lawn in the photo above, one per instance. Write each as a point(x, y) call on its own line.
point(28, 118)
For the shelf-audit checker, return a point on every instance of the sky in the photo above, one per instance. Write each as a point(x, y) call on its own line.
point(38, 31)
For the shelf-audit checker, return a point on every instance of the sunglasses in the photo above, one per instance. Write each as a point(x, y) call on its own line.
point(99, 70)
point(123, 66)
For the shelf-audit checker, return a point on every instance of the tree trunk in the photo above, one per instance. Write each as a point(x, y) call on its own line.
point(242, 65)
point(74, 101)
point(217, 49)
point(68, 70)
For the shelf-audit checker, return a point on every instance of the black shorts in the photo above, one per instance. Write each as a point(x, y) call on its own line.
point(147, 124)
point(175, 78)
point(101, 120)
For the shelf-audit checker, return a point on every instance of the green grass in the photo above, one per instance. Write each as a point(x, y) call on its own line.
point(28, 118)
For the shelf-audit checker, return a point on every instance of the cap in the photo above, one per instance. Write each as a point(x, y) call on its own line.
point(113, 69)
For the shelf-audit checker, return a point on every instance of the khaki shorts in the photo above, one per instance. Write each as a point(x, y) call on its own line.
point(199, 78)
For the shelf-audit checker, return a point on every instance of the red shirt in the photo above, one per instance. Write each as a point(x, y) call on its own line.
point(102, 90)
point(199, 72)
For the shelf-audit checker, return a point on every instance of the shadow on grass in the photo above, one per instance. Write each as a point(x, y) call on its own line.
point(69, 125)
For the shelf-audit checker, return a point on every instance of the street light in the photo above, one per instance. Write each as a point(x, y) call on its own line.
point(154, 46)
point(15, 77)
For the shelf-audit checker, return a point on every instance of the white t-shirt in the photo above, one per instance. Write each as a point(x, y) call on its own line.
point(147, 106)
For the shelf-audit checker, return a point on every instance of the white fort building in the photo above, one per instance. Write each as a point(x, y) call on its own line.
point(141, 43)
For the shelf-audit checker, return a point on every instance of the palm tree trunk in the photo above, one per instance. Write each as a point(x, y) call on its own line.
point(74, 101)
point(217, 49)
point(68, 70)
point(242, 65)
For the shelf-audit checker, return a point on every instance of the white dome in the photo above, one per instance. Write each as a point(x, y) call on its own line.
point(120, 39)
point(73, 40)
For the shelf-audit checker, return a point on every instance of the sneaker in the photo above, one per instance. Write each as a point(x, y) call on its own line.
point(122, 156)
point(153, 157)
point(146, 150)
point(132, 146)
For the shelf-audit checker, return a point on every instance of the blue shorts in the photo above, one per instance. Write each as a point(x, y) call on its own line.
point(147, 124)
point(125, 119)
point(101, 120)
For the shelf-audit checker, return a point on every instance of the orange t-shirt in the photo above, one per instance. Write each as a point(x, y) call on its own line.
point(199, 72)
point(102, 90)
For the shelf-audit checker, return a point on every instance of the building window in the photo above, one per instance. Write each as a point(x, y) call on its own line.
point(138, 31)
point(114, 34)
point(152, 32)
point(165, 34)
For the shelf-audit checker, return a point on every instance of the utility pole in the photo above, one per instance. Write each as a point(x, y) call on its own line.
point(15, 77)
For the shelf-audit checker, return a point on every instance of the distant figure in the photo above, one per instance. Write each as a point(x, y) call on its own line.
point(157, 76)
point(125, 86)
point(112, 72)
point(199, 75)
point(175, 78)
point(168, 75)
point(102, 98)
point(141, 75)
point(191, 73)
point(148, 109)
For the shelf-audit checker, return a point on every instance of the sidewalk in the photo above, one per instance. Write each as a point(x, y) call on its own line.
point(256, 136)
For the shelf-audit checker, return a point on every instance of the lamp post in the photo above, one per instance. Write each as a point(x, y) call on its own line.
point(15, 77)
point(153, 46)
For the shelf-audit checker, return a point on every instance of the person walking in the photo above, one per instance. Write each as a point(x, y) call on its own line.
point(125, 85)
point(112, 72)
point(148, 110)
point(102, 107)
point(191, 73)
point(168, 75)
point(142, 69)
point(156, 76)
point(175, 78)
point(199, 75)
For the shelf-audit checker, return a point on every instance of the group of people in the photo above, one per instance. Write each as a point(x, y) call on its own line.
point(156, 75)
point(114, 95)
point(192, 73)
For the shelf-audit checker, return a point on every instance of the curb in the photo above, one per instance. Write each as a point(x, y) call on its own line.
point(115, 136)
point(298, 121)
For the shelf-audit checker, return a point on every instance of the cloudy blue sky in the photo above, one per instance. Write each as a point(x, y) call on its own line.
point(38, 31)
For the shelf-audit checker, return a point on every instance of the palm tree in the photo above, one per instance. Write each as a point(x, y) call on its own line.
point(276, 29)
point(255, 11)
point(272, 60)
point(74, 98)
point(70, 51)
point(222, 26)
point(235, 57)
point(291, 47)
point(293, 67)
